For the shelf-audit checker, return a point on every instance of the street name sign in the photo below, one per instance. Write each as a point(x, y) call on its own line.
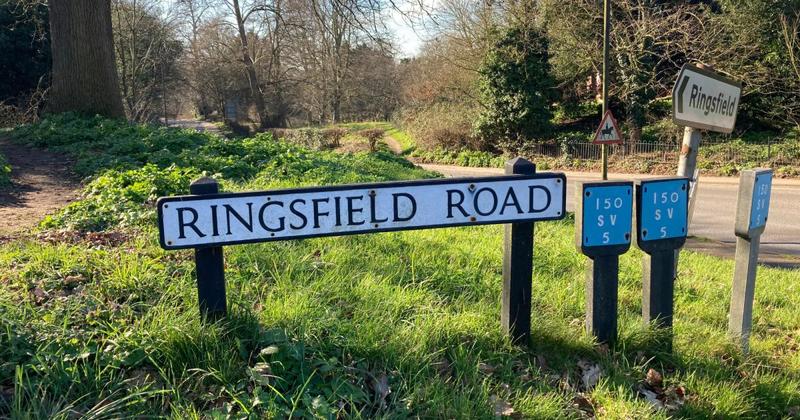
point(704, 99)
point(608, 131)
point(226, 219)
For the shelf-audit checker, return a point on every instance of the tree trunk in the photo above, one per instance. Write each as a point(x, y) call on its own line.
point(252, 76)
point(84, 69)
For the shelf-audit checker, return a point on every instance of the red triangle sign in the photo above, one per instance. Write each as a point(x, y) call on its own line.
point(608, 132)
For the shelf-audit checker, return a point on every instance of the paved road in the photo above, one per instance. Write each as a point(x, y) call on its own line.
point(192, 123)
point(715, 209)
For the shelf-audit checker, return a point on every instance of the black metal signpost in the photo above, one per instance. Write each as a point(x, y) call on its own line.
point(208, 220)
point(752, 211)
point(662, 207)
point(603, 212)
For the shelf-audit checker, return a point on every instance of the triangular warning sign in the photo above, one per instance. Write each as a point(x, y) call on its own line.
point(608, 132)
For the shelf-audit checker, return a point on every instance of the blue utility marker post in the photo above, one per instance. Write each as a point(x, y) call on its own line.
point(662, 214)
point(603, 213)
point(752, 211)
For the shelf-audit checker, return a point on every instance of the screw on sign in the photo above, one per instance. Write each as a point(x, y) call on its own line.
point(607, 215)
point(603, 218)
point(662, 209)
point(752, 212)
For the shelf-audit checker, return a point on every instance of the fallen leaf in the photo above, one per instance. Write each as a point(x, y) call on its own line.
point(486, 368)
point(590, 374)
point(584, 404)
point(650, 396)
point(73, 281)
point(39, 295)
point(501, 407)
point(442, 366)
point(381, 388)
point(654, 378)
point(269, 350)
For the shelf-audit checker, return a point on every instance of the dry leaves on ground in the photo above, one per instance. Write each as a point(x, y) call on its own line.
point(590, 374)
point(652, 389)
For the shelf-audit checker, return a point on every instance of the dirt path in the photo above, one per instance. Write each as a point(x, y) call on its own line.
point(41, 184)
point(393, 144)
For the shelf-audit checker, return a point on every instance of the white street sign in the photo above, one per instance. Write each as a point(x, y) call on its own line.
point(225, 219)
point(706, 100)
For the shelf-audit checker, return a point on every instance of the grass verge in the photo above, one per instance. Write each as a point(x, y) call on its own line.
point(391, 325)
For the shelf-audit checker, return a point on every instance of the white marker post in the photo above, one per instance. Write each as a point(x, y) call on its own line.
point(755, 187)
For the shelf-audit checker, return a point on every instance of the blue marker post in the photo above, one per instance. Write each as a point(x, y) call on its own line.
point(752, 211)
point(603, 216)
point(662, 210)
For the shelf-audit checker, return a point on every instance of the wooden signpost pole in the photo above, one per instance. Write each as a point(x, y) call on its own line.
point(210, 266)
point(515, 316)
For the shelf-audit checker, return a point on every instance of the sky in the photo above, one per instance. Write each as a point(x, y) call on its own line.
point(411, 23)
point(408, 40)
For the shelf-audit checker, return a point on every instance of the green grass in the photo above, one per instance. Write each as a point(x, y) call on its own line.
point(84, 326)
point(5, 172)
point(321, 327)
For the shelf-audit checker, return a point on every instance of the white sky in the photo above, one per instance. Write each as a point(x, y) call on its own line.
point(411, 23)
point(408, 40)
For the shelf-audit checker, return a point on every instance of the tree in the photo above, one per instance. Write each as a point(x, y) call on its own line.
point(84, 72)
point(516, 89)
point(147, 52)
point(24, 40)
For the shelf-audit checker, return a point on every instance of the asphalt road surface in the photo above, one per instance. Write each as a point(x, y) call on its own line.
point(714, 211)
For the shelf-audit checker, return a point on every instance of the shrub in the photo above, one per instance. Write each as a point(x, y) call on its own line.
point(121, 198)
point(333, 136)
point(373, 136)
point(312, 138)
point(442, 126)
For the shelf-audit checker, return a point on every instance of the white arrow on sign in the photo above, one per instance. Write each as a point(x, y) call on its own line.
point(704, 99)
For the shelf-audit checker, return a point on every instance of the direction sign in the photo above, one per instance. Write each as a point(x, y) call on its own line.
point(755, 188)
point(226, 219)
point(704, 99)
point(605, 217)
point(608, 131)
point(662, 213)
